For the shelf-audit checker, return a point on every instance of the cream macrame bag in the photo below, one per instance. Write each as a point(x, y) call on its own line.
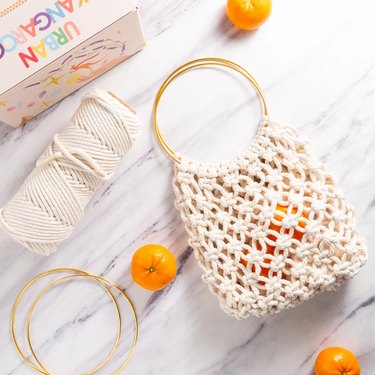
point(269, 229)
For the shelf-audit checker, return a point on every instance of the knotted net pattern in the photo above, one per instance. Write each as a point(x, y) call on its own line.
point(270, 229)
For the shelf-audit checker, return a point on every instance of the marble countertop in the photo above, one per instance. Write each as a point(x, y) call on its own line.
point(316, 63)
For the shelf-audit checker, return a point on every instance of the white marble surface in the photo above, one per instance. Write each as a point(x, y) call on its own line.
point(316, 63)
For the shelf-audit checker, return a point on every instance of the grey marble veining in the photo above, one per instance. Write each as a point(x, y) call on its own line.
point(316, 63)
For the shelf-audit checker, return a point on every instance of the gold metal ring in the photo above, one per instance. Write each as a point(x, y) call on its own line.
point(194, 64)
point(77, 273)
point(43, 292)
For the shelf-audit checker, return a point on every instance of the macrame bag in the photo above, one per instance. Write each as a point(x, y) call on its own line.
point(269, 229)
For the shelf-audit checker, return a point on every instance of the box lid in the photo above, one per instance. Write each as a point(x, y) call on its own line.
point(33, 33)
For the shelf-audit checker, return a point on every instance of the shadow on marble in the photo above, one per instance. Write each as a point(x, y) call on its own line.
point(291, 327)
point(226, 27)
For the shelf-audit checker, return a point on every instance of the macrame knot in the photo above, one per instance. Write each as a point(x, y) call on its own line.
point(267, 213)
point(283, 242)
point(251, 188)
point(274, 177)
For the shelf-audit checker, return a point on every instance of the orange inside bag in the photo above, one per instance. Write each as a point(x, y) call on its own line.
point(277, 228)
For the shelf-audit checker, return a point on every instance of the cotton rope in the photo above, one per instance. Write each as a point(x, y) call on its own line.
point(52, 200)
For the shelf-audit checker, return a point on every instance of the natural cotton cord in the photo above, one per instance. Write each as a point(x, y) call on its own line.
point(52, 200)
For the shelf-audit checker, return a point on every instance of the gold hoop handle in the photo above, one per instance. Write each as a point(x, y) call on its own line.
point(194, 64)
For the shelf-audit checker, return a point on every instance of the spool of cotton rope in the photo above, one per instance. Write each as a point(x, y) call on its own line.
point(52, 200)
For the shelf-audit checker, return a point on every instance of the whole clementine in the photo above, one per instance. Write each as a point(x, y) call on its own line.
point(153, 267)
point(337, 361)
point(248, 14)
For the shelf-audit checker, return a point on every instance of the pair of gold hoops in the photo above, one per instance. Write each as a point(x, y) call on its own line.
point(74, 273)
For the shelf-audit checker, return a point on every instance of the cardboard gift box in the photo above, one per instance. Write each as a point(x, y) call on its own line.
point(49, 48)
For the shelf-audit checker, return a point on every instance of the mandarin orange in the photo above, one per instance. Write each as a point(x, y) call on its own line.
point(153, 267)
point(337, 361)
point(248, 14)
